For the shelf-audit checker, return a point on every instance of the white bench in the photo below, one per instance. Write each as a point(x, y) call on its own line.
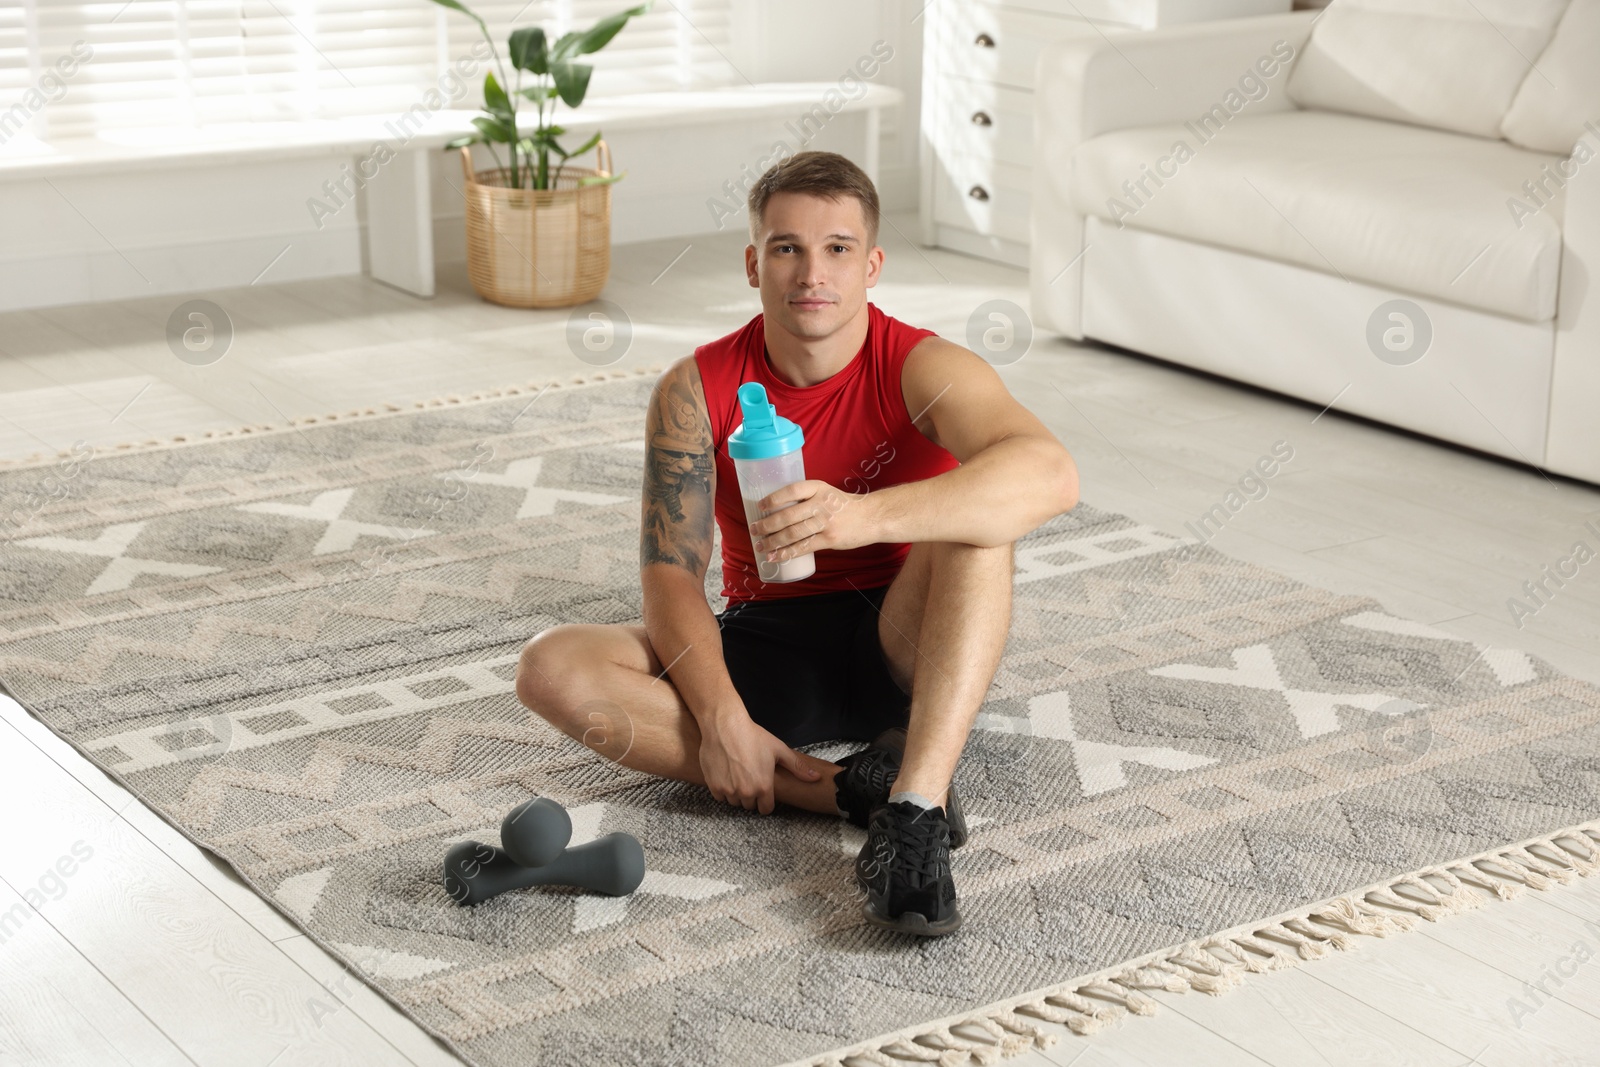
point(398, 195)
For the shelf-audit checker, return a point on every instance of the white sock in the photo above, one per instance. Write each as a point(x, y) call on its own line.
point(912, 798)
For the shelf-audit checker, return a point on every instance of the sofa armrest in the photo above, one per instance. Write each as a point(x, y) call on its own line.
point(1572, 446)
point(1089, 86)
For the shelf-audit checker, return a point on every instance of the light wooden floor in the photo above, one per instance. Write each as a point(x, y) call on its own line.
point(152, 953)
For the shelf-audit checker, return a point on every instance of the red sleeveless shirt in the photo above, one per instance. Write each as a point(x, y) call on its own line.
point(858, 438)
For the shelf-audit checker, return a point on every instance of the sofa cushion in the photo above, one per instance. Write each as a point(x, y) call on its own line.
point(1449, 64)
point(1562, 91)
point(1421, 211)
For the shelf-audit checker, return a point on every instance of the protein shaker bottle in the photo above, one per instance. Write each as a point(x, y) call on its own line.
point(766, 456)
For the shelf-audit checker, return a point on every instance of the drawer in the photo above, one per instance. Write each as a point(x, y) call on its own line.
point(973, 118)
point(988, 43)
point(982, 195)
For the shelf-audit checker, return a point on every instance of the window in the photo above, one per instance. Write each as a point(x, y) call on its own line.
point(185, 63)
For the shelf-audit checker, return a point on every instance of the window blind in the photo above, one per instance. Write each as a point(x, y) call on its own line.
point(680, 44)
point(200, 63)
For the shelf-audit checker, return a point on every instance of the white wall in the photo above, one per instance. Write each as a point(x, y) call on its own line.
point(818, 40)
point(106, 237)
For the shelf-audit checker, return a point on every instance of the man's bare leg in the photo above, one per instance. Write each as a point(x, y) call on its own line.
point(943, 626)
point(604, 687)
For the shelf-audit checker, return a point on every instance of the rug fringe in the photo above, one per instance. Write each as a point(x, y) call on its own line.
point(1219, 963)
point(377, 410)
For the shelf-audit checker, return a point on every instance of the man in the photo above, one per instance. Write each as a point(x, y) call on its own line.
point(922, 471)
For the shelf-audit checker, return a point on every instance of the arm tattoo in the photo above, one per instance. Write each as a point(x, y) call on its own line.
point(673, 471)
point(679, 476)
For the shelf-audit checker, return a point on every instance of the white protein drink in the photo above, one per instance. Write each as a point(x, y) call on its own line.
point(783, 570)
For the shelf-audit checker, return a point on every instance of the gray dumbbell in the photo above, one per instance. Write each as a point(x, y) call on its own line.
point(535, 836)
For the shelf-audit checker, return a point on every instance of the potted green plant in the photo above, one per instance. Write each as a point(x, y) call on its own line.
point(537, 236)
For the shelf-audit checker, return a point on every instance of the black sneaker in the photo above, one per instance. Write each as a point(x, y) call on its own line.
point(863, 783)
point(905, 869)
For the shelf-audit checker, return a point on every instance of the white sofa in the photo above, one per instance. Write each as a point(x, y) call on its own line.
point(1326, 171)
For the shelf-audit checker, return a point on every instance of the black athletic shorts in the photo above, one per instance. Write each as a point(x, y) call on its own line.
point(811, 668)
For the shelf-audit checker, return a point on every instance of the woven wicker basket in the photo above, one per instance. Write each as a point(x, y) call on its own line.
point(538, 248)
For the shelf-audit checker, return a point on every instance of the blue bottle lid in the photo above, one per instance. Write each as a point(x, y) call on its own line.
point(764, 433)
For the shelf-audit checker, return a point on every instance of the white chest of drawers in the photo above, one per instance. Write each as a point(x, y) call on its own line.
point(979, 58)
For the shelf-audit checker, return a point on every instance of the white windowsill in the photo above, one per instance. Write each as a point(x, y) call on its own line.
point(156, 147)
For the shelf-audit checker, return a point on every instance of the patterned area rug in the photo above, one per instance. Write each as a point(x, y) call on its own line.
point(298, 647)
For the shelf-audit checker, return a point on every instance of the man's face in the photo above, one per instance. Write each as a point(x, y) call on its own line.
point(812, 263)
